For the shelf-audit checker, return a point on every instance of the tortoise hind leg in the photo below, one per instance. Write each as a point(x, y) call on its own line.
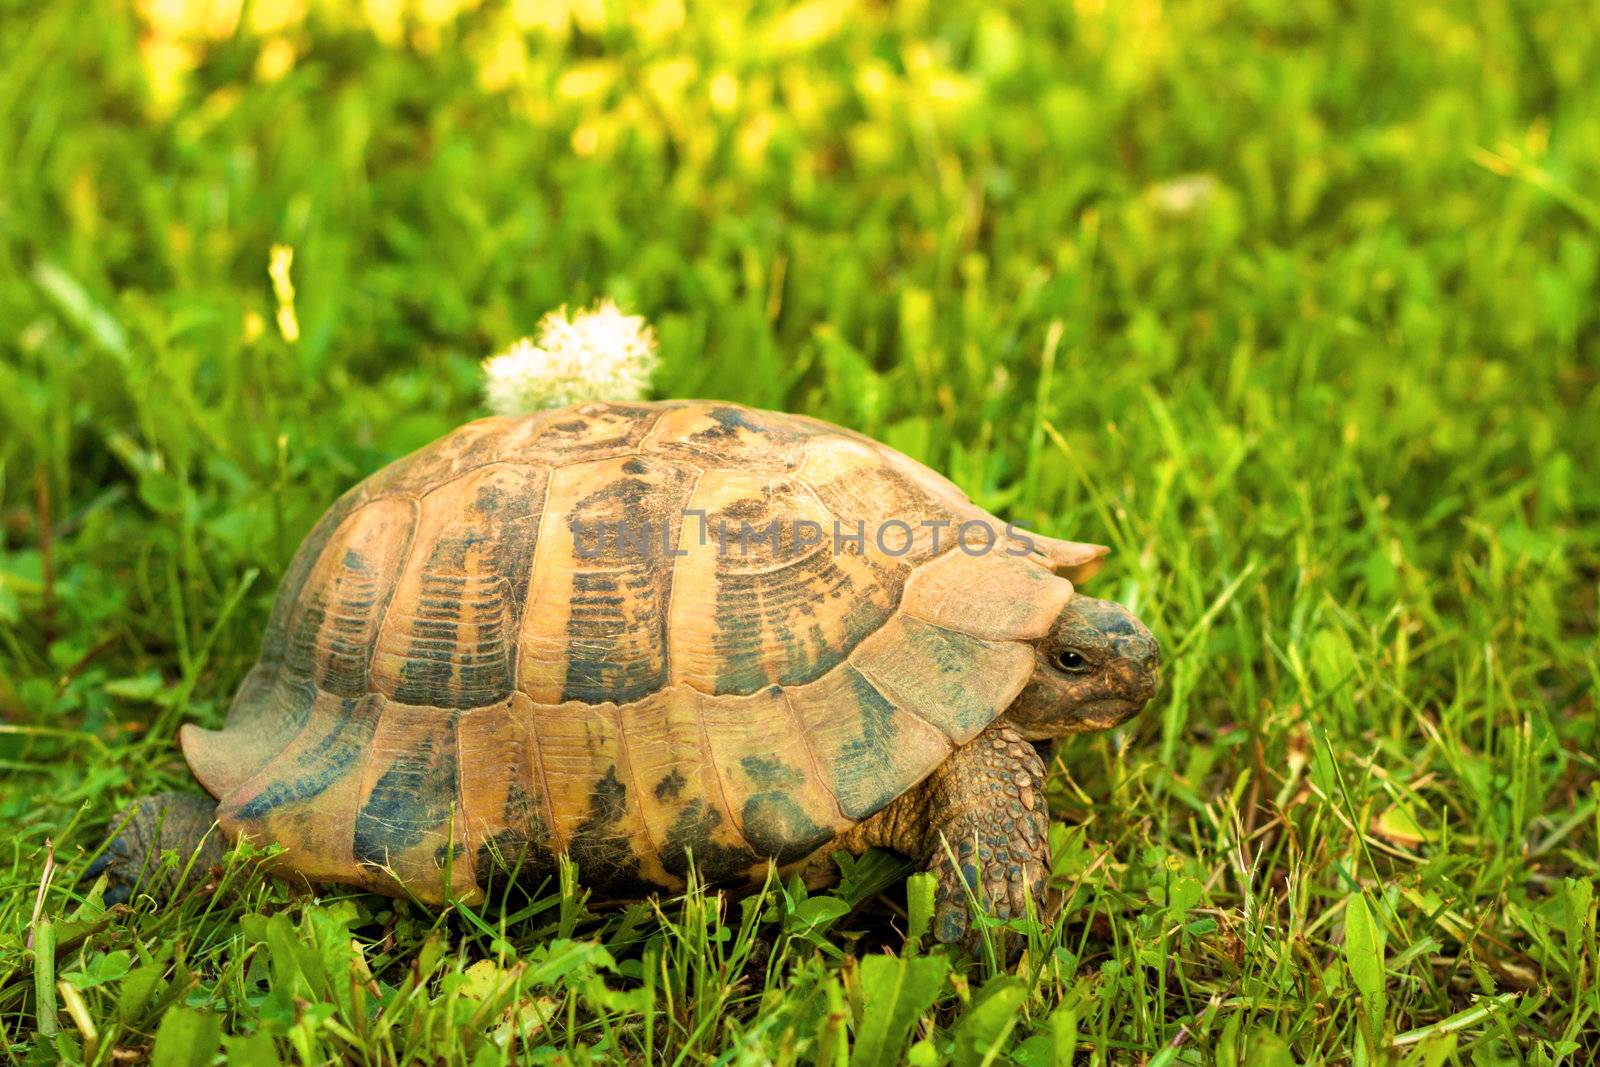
point(131, 858)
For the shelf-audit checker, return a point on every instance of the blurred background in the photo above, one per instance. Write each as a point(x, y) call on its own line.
point(1294, 304)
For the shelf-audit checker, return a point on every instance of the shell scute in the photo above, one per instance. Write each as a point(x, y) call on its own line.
point(754, 603)
point(450, 635)
point(897, 515)
point(505, 810)
point(727, 435)
point(869, 748)
point(461, 450)
point(586, 433)
point(349, 591)
point(407, 830)
point(289, 800)
point(598, 631)
point(1022, 599)
point(679, 795)
point(594, 794)
point(957, 682)
point(319, 638)
point(776, 791)
point(274, 641)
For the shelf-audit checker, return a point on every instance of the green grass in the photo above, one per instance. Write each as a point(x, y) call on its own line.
point(1295, 305)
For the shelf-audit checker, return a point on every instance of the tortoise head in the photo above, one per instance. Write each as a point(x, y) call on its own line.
point(1096, 668)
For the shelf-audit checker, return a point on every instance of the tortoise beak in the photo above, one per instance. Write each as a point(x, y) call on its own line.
point(1146, 681)
point(1105, 714)
point(1133, 681)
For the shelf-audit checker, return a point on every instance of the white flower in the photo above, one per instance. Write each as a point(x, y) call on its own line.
point(597, 354)
point(1184, 196)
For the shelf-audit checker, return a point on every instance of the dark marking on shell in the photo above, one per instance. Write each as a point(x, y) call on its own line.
point(775, 826)
point(528, 862)
point(358, 594)
point(354, 583)
point(521, 850)
point(617, 620)
point(863, 771)
point(731, 420)
point(430, 661)
point(301, 660)
point(671, 785)
point(691, 835)
point(275, 640)
point(322, 763)
point(780, 592)
point(474, 582)
point(412, 798)
point(770, 771)
point(605, 858)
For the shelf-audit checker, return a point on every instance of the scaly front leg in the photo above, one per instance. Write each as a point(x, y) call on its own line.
point(986, 809)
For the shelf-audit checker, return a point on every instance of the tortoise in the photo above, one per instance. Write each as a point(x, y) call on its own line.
point(648, 635)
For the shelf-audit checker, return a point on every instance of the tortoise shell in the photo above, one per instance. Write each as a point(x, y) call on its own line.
point(553, 633)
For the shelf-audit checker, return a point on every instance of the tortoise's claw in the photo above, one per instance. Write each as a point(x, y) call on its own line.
point(952, 926)
point(952, 919)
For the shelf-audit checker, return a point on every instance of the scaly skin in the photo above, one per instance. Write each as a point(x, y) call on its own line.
point(182, 822)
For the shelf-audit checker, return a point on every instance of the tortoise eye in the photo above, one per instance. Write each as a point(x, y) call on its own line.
point(1071, 661)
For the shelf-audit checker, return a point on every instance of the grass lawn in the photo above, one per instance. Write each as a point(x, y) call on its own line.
point(1295, 305)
